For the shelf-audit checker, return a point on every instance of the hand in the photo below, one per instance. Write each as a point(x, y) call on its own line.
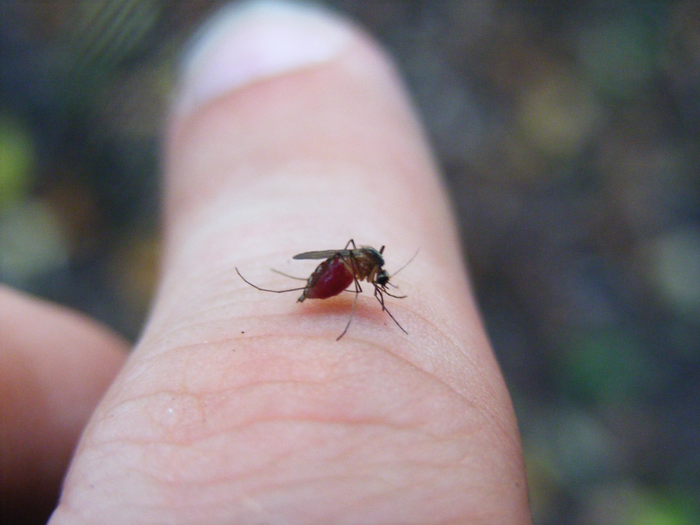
point(292, 133)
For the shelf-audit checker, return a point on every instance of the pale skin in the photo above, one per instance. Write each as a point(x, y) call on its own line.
point(238, 406)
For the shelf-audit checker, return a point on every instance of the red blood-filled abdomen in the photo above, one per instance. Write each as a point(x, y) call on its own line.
point(329, 279)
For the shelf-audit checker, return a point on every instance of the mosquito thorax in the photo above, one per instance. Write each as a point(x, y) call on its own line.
point(374, 255)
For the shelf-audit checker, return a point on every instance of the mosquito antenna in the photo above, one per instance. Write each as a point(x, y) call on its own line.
point(409, 262)
point(287, 275)
point(265, 289)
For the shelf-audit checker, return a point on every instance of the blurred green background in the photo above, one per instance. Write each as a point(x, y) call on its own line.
point(569, 134)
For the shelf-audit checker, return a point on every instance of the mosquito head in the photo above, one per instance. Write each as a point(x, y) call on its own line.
point(382, 278)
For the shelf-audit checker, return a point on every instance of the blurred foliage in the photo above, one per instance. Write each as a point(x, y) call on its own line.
point(568, 133)
point(16, 162)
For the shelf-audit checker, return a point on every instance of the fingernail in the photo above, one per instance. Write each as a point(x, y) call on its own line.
point(259, 40)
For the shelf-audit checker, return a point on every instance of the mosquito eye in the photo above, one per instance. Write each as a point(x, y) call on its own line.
point(382, 278)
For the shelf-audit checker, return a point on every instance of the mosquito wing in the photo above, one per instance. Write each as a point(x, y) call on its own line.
point(323, 254)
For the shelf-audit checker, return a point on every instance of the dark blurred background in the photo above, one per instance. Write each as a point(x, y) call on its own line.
point(568, 132)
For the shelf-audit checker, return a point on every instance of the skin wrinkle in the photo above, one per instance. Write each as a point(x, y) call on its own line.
point(186, 350)
point(267, 490)
point(157, 474)
point(261, 472)
point(248, 424)
point(504, 429)
point(470, 402)
point(298, 485)
point(421, 370)
point(353, 450)
point(405, 360)
point(121, 438)
point(280, 458)
point(392, 491)
point(180, 482)
point(324, 419)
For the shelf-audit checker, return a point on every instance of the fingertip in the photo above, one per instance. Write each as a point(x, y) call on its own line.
point(247, 43)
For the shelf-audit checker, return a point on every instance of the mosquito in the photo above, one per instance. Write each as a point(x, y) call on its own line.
point(338, 271)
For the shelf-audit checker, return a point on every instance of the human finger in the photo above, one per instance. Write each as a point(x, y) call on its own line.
point(55, 365)
point(292, 133)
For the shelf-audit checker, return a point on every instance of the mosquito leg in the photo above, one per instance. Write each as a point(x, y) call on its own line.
point(380, 298)
point(352, 312)
point(358, 291)
point(352, 265)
